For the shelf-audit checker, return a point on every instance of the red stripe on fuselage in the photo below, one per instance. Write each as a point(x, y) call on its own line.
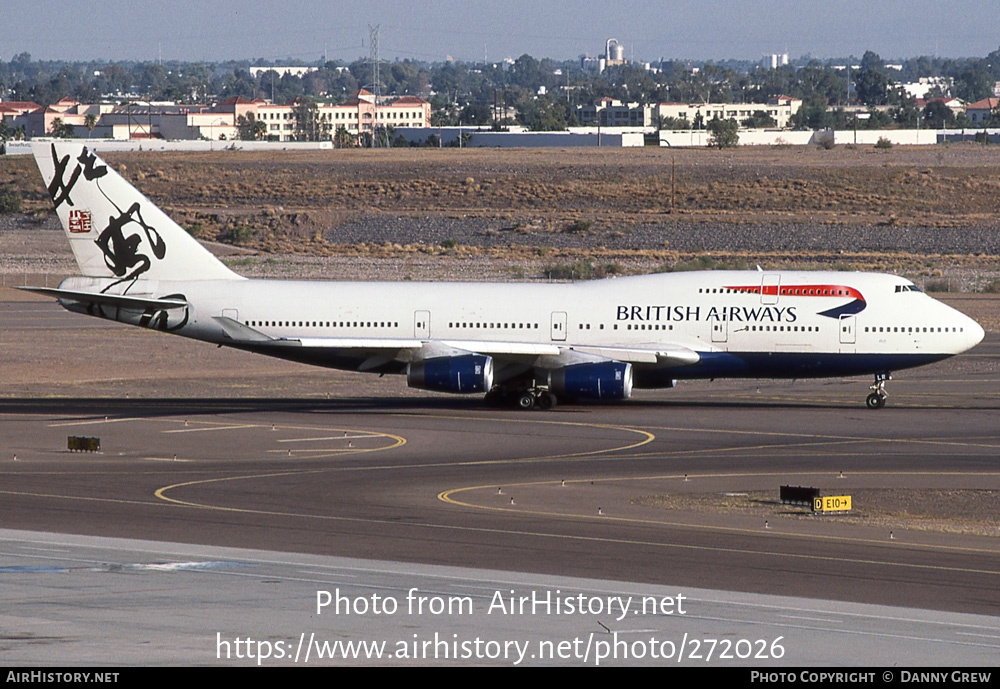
point(840, 291)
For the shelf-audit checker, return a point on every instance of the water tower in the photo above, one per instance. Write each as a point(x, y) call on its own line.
point(614, 52)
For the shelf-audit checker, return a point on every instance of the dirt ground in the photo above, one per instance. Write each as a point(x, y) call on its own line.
point(295, 201)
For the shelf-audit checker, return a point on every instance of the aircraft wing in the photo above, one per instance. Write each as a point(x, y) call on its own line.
point(244, 334)
point(544, 354)
point(664, 354)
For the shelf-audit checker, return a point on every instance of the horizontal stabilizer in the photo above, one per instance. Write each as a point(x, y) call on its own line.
point(120, 300)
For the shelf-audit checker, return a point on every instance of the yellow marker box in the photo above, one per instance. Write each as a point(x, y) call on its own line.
point(833, 503)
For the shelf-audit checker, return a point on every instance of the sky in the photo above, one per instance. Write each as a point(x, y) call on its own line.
point(472, 30)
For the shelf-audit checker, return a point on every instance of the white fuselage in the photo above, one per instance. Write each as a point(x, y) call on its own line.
point(766, 324)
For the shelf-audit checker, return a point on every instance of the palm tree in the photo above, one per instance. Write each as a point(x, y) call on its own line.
point(90, 121)
point(343, 138)
point(60, 129)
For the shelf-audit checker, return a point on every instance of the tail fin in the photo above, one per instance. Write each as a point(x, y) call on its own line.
point(116, 232)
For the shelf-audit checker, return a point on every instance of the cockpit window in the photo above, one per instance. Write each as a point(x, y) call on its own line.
point(907, 288)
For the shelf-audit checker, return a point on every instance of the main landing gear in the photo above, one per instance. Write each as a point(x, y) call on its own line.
point(876, 400)
point(525, 400)
point(543, 399)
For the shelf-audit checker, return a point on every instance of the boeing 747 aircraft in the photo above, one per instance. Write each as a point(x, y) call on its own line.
point(531, 344)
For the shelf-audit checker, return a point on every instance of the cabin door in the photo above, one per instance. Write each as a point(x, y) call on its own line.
point(422, 324)
point(558, 326)
point(770, 285)
point(720, 331)
point(848, 325)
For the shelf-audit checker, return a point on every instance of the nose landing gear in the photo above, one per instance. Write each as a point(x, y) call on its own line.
point(876, 400)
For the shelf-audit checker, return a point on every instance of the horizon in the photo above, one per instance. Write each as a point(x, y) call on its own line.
point(476, 31)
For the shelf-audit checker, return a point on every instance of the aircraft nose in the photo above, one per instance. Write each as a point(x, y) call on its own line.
point(975, 333)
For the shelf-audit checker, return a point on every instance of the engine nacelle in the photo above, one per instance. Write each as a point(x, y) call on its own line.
point(469, 373)
point(606, 380)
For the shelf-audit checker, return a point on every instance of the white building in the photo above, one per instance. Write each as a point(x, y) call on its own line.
point(780, 109)
point(775, 60)
point(358, 116)
point(281, 71)
point(608, 112)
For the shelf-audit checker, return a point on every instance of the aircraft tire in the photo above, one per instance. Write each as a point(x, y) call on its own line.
point(875, 401)
point(547, 401)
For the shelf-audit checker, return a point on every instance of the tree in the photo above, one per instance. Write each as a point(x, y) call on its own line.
point(250, 128)
point(661, 123)
point(937, 115)
point(60, 129)
point(872, 85)
point(974, 83)
point(308, 126)
point(475, 114)
point(543, 114)
point(443, 118)
point(758, 120)
point(90, 121)
point(812, 115)
point(343, 138)
point(724, 133)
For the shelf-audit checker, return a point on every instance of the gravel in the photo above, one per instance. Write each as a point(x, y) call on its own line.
point(678, 236)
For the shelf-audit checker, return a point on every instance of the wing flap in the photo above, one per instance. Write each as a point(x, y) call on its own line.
point(658, 354)
point(357, 342)
point(504, 348)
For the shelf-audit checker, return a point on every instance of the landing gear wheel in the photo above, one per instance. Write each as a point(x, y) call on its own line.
point(526, 401)
point(546, 401)
point(875, 401)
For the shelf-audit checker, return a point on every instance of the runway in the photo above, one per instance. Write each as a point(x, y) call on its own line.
point(219, 448)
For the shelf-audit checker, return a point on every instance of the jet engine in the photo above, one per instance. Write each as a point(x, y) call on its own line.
point(469, 373)
point(606, 380)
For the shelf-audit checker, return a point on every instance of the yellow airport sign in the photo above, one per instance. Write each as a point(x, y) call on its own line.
point(833, 503)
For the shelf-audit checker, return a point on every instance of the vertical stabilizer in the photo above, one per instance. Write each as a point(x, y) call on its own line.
point(116, 232)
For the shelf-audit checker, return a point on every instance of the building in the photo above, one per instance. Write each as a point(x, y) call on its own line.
point(774, 60)
point(780, 109)
point(607, 112)
point(922, 86)
point(281, 71)
point(956, 105)
point(14, 113)
point(614, 56)
point(981, 111)
point(357, 116)
point(39, 121)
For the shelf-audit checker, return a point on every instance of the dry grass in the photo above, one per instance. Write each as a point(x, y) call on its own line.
point(283, 200)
